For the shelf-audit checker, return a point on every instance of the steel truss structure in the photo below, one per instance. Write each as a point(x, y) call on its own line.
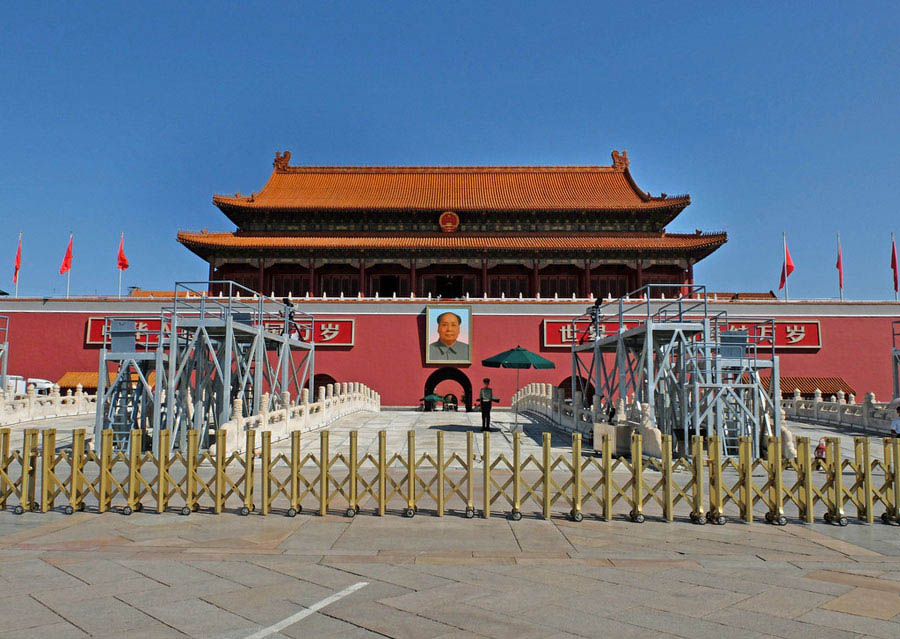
point(183, 370)
point(701, 372)
point(4, 350)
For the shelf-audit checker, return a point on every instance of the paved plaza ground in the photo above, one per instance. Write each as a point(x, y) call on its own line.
point(162, 575)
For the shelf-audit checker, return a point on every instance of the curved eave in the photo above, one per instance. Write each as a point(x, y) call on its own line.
point(372, 245)
point(229, 205)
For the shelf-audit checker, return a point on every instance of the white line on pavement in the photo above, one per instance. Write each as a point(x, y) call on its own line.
point(284, 623)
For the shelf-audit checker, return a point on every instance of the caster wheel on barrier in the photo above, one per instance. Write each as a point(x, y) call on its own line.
point(637, 518)
point(82, 507)
point(515, 515)
point(244, 511)
point(69, 510)
point(770, 518)
point(827, 517)
point(138, 507)
point(577, 515)
point(781, 521)
point(470, 513)
point(351, 512)
point(35, 508)
point(700, 520)
point(843, 521)
point(292, 512)
point(357, 509)
point(126, 510)
point(718, 520)
point(185, 510)
point(196, 508)
point(18, 510)
point(693, 517)
point(885, 519)
point(409, 513)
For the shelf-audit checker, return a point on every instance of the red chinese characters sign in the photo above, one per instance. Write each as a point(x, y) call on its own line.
point(789, 334)
point(326, 332)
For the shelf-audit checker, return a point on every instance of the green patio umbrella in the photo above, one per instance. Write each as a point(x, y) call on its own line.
point(432, 398)
point(517, 358)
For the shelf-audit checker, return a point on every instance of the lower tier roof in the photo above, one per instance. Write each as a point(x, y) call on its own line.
point(698, 244)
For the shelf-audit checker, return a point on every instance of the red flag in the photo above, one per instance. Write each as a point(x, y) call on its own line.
point(66, 265)
point(894, 262)
point(787, 268)
point(122, 261)
point(18, 262)
point(840, 266)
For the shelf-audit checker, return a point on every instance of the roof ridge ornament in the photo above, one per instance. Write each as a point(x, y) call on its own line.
point(620, 160)
point(281, 160)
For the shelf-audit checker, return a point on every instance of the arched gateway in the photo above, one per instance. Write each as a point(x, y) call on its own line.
point(453, 374)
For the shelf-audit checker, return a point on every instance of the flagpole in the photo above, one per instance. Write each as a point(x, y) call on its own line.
point(17, 270)
point(841, 272)
point(117, 266)
point(894, 249)
point(784, 265)
point(69, 271)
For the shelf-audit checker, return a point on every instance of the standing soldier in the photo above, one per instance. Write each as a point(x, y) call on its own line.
point(486, 399)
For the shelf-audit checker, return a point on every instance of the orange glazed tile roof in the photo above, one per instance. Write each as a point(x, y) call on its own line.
point(88, 379)
point(808, 385)
point(450, 241)
point(454, 188)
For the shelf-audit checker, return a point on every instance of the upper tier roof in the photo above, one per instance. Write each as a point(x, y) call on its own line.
point(453, 188)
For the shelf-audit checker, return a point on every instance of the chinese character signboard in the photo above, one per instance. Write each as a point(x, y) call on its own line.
point(327, 332)
point(561, 333)
point(789, 334)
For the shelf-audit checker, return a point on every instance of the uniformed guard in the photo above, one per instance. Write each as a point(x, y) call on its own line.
point(485, 400)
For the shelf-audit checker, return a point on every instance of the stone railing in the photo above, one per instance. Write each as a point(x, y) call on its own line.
point(335, 401)
point(840, 410)
point(15, 409)
point(549, 404)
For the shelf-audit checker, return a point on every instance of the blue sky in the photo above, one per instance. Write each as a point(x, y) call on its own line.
point(119, 117)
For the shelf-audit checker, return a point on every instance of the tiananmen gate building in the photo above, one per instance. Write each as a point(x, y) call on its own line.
point(449, 232)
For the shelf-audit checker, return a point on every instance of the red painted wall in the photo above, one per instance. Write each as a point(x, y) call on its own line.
point(389, 352)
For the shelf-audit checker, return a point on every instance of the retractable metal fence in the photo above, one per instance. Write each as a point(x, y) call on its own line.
point(424, 476)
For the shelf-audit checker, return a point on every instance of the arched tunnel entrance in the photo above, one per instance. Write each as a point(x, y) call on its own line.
point(448, 373)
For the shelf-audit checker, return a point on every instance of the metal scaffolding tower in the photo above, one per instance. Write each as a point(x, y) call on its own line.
point(4, 350)
point(700, 371)
point(183, 370)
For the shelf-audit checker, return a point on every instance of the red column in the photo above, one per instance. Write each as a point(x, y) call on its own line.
point(587, 279)
point(412, 277)
point(484, 281)
point(362, 278)
point(640, 274)
point(312, 277)
point(260, 280)
point(535, 284)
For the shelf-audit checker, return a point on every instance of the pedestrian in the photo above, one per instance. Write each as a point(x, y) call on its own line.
point(895, 424)
point(485, 400)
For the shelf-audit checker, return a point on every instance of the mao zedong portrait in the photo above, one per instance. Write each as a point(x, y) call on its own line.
point(448, 348)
